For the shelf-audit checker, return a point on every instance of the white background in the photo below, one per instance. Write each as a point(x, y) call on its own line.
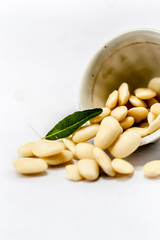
point(44, 49)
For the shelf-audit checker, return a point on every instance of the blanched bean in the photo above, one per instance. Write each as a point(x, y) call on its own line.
point(152, 169)
point(127, 122)
point(141, 131)
point(46, 148)
point(123, 93)
point(70, 145)
point(136, 102)
point(89, 169)
point(63, 157)
point(138, 113)
point(26, 150)
point(150, 118)
point(155, 109)
point(85, 133)
point(112, 99)
point(105, 113)
point(154, 84)
point(30, 165)
point(126, 144)
point(119, 113)
point(84, 150)
point(72, 173)
point(144, 93)
point(107, 133)
point(103, 161)
point(122, 166)
point(154, 126)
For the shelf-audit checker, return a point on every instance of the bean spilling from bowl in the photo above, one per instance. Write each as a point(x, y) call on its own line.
point(125, 119)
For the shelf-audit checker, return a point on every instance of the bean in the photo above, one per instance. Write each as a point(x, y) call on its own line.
point(152, 169)
point(30, 165)
point(46, 148)
point(126, 144)
point(89, 169)
point(138, 113)
point(154, 126)
point(119, 113)
point(155, 109)
point(103, 161)
point(122, 166)
point(72, 173)
point(108, 132)
point(112, 100)
point(151, 101)
point(127, 122)
point(84, 150)
point(63, 157)
point(137, 102)
point(141, 131)
point(150, 118)
point(85, 133)
point(154, 84)
point(144, 93)
point(124, 94)
point(105, 113)
point(26, 150)
point(70, 145)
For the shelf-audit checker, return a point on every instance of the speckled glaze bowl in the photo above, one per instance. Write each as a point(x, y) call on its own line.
point(132, 57)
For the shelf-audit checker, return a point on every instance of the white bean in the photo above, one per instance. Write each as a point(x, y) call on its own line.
point(144, 93)
point(103, 161)
point(46, 148)
point(154, 84)
point(152, 169)
point(127, 122)
point(26, 150)
point(119, 113)
point(150, 118)
point(89, 169)
point(84, 150)
point(105, 113)
point(85, 133)
point(155, 109)
point(108, 132)
point(72, 173)
point(138, 113)
point(124, 94)
point(126, 144)
point(70, 145)
point(63, 157)
point(122, 166)
point(154, 126)
point(112, 99)
point(141, 131)
point(30, 165)
point(136, 102)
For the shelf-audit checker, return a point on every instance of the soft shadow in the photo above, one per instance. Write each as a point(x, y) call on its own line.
point(118, 177)
point(145, 154)
point(60, 165)
point(32, 175)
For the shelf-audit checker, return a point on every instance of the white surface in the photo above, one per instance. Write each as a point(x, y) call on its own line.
point(44, 49)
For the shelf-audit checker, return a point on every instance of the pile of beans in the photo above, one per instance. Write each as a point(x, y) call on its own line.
point(119, 128)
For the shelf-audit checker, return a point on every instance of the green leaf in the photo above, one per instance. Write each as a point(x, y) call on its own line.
point(71, 123)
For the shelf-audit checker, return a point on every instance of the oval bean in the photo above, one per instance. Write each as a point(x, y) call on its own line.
point(127, 122)
point(155, 109)
point(123, 93)
point(122, 166)
point(89, 169)
point(119, 113)
point(85, 133)
point(144, 93)
point(72, 173)
point(152, 169)
point(126, 144)
point(112, 99)
point(108, 131)
point(138, 113)
point(105, 113)
point(26, 150)
point(136, 102)
point(63, 157)
point(103, 161)
point(84, 150)
point(30, 165)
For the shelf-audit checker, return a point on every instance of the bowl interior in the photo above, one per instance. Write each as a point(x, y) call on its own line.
point(133, 57)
